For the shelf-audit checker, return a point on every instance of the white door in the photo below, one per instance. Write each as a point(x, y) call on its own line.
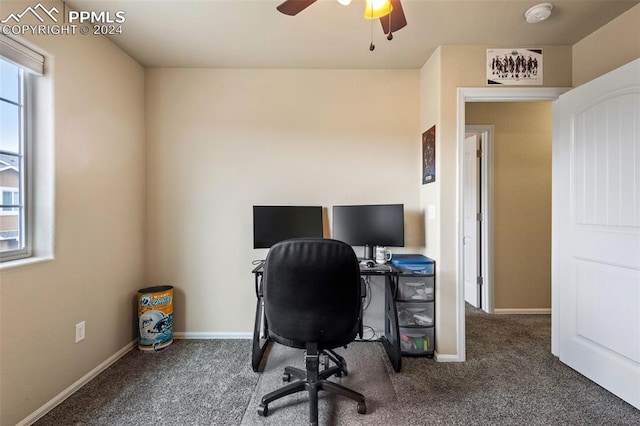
point(596, 230)
point(470, 227)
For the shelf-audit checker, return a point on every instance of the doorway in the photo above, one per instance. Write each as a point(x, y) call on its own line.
point(482, 95)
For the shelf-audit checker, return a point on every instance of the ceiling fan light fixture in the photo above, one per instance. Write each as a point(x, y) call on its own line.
point(344, 2)
point(538, 13)
point(377, 8)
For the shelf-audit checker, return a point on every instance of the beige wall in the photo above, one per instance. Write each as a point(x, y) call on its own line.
point(608, 48)
point(430, 116)
point(460, 66)
point(221, 141)
point(522, 201)
point(98, 124)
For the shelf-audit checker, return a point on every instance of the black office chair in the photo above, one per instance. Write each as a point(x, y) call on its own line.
point(312, 301)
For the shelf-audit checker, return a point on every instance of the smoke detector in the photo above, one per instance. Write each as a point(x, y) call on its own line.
point(538, 13)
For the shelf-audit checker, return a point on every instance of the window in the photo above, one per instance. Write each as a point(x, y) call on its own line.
point(18, 66)
point(10, 196)
point(13, 232)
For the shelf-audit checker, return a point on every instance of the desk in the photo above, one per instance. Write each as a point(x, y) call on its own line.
point(390, 340)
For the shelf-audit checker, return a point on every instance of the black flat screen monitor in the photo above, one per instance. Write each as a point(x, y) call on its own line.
point(272, 224)
point(369, 225)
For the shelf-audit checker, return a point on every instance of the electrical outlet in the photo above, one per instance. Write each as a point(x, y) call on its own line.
point(79, 331)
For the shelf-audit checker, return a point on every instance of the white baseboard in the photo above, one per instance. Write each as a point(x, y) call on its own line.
point(531, 311)
point(208, 335)
point(56, 400)
point(446, 358)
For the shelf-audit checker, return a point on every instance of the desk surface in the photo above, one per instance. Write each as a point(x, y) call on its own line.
point(377, 269)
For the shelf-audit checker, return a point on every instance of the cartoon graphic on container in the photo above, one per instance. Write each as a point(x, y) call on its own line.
point(155, 318)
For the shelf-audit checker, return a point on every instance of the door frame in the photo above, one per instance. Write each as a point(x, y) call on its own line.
point(486, 132)
point(486, 94)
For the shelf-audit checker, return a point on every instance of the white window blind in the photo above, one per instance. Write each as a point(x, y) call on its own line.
point(21, 55)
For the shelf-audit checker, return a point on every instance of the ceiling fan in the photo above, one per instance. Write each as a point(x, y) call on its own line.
point(391, 22)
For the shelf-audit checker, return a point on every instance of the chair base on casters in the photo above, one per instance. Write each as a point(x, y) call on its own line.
point(313, 380)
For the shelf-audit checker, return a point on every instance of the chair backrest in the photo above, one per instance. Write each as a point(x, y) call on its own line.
point(312, 293)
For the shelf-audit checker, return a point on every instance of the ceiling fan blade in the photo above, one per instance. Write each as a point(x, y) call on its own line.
point(293, 7)
point(397, 18)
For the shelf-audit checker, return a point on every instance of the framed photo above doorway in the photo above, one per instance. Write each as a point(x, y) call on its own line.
point(514, 67)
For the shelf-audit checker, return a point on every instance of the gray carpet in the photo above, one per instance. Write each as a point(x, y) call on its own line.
point(192, 382)
point(510, 377)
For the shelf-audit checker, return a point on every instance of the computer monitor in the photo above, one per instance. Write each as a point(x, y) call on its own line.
point(369, 225)
point(272, 224)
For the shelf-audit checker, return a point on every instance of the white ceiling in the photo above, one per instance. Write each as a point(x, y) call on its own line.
point(253, 34)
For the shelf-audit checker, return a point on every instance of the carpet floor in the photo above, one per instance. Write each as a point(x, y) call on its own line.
point(510, 378)
point(192, 382)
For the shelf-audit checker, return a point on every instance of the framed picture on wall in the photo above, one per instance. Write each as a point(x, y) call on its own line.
point(429, 156)
point(514, 67)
